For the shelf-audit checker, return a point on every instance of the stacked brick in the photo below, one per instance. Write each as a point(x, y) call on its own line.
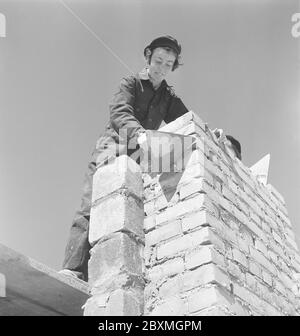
point(116, 235)
point(217, 241)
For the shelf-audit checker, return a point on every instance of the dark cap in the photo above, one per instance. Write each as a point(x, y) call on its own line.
point(236, 146)
point(165, 41)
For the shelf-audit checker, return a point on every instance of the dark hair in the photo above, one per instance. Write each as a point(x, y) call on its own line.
point(236, 146)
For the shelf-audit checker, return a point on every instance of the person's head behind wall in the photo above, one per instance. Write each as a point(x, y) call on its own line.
point(234, 145)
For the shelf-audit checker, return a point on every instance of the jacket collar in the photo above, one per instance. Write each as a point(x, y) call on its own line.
point(143, 75)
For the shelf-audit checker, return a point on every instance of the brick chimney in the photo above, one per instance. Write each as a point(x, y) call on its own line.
point(210, 239)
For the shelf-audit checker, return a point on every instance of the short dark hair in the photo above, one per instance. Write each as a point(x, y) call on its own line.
point(236, 146)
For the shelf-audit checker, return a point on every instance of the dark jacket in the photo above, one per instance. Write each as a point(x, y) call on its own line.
point(136, 106)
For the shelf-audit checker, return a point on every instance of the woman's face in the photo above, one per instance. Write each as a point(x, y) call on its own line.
point(161, 64)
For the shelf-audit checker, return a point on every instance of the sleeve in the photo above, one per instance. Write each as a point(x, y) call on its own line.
point(176, 109)
point(121, 109)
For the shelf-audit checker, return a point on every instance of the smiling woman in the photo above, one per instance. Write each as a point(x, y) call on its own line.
point(141, 102)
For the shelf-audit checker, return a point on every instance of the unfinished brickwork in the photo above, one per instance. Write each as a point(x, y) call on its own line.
point(207, 240)
point(116, 234)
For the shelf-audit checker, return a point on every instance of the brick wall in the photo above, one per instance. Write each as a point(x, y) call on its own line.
point(215, 241)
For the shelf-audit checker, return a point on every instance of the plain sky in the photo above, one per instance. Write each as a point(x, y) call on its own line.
point(61, 62)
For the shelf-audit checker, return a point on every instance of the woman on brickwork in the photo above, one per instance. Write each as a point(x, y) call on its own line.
point(141, 102)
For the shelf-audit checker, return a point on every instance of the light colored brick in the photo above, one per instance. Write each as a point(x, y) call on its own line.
point(260, 246)
point(212, 208)
point(113, 257)
point(206, 236)
point(243, 207)
point(181, 208)
point(254, 269)
point(172, 247)
point(205, 255)
point(286, 280)
point(255, 229)
point(149, 222)
point(182, 121)
point(212, 311)
point(203, 275)
point(162, 233)
point(214, 169)
point(296, 265)
point(266, 227)
point(149, 207)
point(267, 277)
point(246, 295)
point(239, 257)
point(239, 310)
point(196, 185)
point(229, 195)
point(201, 218)
point(169, 268)
point(251, 281)
point(113, 214)
point(207, 297)
point(189, 241)
point(224, 168)
point(171, 287)
point(125, 303)
point(277, 238)
point(289, 233)
point(275, 193)
point(276, 248)
point(147, 179)
point(123, 172)
point(292, 243)
point(234, 270)
point(243, 244)
point(262, 260)
point(269, 310)
point(273, 256)
point(173, 306)
point(240, 215)
point(255, 218)
point(196, 170)
point(233, 186)
point(225, 204)
point(197, 156)
point(194, 220)
point(245, 176)
point(279, 287)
